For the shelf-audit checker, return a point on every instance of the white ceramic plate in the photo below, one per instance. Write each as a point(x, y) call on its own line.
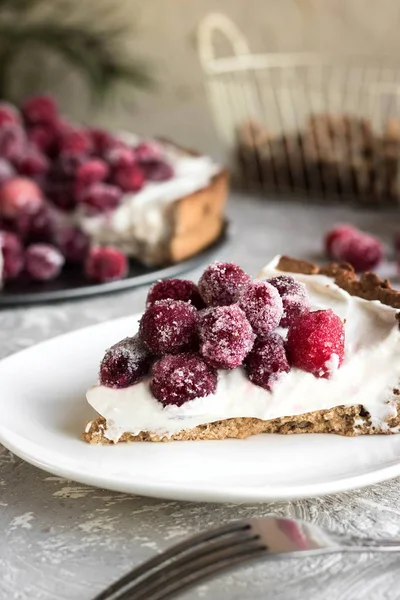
point(43, 412)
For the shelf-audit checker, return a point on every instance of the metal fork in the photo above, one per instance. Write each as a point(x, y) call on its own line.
point(208, 553)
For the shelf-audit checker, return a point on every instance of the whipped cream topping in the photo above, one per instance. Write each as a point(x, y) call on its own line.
point(140, 222)
point(370, 371)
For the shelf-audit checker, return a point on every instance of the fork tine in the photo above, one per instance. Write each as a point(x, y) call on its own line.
point(190, 562)
point(170, 554)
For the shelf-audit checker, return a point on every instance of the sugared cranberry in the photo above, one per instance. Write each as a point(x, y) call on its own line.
point(315, 343)
point(120, 155)
point(74, 244)
point(43, 137)
point(226, 336)
point(334, 234)
point(62, 195)
point(148, 152)
point(13, 255)
point(363, 251)
point(39, 109)
point(175, 289)
point(262, 306)
point(75, 142)
point(129, 178)
point(223, 283)
point(19, 195)
point(12, 141)
point(169, 326)
point(7, 171)
point(176, 379)
point(105, 263)
point(39, 227)
point(102, 141)
point(125, 363)
point(267, 361)
point(158, 171)
point(294, 296)
point(32, 163)
point(43, 262)
point(9, 114)
point(99, 198)
point(92, 171)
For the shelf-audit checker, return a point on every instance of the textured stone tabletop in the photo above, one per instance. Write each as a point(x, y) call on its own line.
point(65, 541)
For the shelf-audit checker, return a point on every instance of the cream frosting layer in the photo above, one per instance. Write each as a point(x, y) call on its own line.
point(369, 373)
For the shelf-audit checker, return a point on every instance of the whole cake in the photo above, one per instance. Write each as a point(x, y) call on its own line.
point(302, 349)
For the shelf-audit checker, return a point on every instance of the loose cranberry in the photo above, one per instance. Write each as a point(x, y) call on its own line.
point(13, 255)
point(158, 171)
point(125, 363)
point(12, 141)
point(75, 142)
point(267, 361)
point(226, 336)
point(100, 198)
point(19, 195)
point(294, 296)
point(7, 171)
point(334, 234)
point(39, 227)
point(43, 262)
point(62, 195)
point(148, 152)
point(106, 263)
point(92, 171)
point(223, 283)
point(315, 343)
point(43, 137)
point(39, 109)
point(9, 114)
point(363, 251)
point(176, 379)
point(168, 327)
point(175, 289)
point(129, 178)
point(262, 306)
point(74, 244)
point(120, 155)
point(102, 141)
point(32, 163)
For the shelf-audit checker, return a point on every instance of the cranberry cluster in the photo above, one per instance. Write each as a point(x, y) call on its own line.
point(48, 165)
point(188, 332)
point(347, 243)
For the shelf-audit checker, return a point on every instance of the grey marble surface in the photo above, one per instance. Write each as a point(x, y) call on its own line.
point(63, 540)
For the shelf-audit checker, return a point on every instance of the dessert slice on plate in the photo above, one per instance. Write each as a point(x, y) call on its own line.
point(303, 349)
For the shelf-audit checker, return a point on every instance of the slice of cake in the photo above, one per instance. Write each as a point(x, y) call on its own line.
point(303, 349)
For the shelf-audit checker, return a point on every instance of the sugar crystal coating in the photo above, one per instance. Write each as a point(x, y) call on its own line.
point(262, 306)
point(43, 261)
point(267, 361)
point(105, 263)
point(226, 336)
point(295, 299)
point(125, 363)
point(176, 379)
point(168, 327)
point(315, 343)
point(222, 283)
point(13, 255)
point(176, 289)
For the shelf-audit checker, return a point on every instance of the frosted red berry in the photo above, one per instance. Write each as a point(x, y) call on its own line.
point(19, 194)
point(43, 262)
point(262, 306)
point(179, 378)
point(39, 109)
point(129, 178)
point(12, 141)
point(43, 137)
point(175, 289)
point(334, 234)
point(169, 327)
point(267, 361)
point(295, 298)
point(120, 155)
point(102, 141)
point(92, 171)
point(226, 336)
point(32, 163)
point(100, 198)
point(125, 363)
point(158, 171)
point(74, 244)
point(76, 142)
point(148, 152)
point(105, 263)
point(40, 227)
point(363, 251)
point(7, 171)
point(62, 195)
point(9, 114)
point(222, 283)
point(315, 343)
point(13, 255)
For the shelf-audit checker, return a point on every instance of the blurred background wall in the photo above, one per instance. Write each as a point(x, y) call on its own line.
point(164, 33)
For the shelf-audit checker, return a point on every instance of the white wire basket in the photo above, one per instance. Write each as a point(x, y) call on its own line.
point(315, 125)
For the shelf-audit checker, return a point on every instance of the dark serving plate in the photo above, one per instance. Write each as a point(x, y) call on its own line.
point(72, 284)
